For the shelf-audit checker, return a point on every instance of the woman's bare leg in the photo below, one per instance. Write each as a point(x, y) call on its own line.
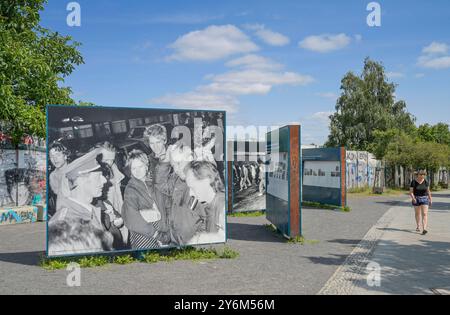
point(418, 216)
point(425, 217)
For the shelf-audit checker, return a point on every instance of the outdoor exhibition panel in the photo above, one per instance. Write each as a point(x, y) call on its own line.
point(324, 172)
point(284, 182)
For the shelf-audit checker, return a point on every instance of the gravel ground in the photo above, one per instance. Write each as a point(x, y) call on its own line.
point(267, 264)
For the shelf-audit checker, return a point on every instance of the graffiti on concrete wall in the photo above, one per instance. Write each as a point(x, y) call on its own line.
point(363, 162)
point(362, 170)
point(372, 166)
point(22, 177)
point(28, 214)
point(352, 169)
point(444, 176)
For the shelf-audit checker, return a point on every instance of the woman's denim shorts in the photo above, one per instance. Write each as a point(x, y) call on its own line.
point(421, 201)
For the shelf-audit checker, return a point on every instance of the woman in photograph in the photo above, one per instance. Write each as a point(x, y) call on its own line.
point(206, 185)
point(421, 199)
point(140, 211)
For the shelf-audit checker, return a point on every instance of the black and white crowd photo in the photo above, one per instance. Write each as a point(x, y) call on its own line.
point(134, 179)
point(249, 175)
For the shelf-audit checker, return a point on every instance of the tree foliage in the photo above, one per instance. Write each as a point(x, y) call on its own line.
point(411, 151)
point(33, 64)
point(439, 133)
point(367, 103)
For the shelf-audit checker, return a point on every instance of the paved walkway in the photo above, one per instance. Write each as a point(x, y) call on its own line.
point(409, 262)
point(267, 264)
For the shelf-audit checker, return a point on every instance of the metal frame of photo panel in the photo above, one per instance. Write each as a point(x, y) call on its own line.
point(134, 251)
point(288, 220)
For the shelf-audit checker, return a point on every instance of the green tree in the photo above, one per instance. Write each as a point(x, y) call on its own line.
point(401, 150)
point(382, 140)
point(33, 64)
point(411, 153)
point(439, 133)
point(367, 103)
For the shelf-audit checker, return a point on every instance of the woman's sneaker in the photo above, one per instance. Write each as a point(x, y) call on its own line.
point(424, 232)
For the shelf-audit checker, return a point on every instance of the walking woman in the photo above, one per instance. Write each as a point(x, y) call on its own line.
point(421, 199)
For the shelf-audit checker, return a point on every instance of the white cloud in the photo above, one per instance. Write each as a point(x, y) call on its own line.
point(249, 81)
point(435, 56)
point(212, 43)
point(358, 37)
point(250, 74)
point(434, 62)
point(315, 128)
point(436, 48)
point(197, 100)
point(395, 75)
point(254, 62)
point(419, 75)
point(268, 36)
point(326, 42)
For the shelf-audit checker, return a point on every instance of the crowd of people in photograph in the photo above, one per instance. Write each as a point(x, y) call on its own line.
point(171, 197)
point(249, 174)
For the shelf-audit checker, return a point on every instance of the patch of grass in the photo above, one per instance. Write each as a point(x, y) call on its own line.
point(228, 253)
point(346, 209)
point(53, 264)
point(366, 192)
point(151, 257)
point(84, 262)
point(94, 261)
point(191, 253)
point(271, 228)
point(188, 253)
point(318, 205)
point(302, 241)
point(247, 214)
point(124, 260)
point(293, 240)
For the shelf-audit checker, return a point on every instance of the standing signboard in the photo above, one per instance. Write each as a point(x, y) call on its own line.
point(123, 179)
point(284, 180)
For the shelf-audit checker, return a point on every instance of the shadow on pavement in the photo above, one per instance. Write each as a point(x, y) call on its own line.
point(412, 269)
point(337, 260)
point(252, 232)
point(405, 269)
point(345, 241)
point(23, 258)
point(399, 230)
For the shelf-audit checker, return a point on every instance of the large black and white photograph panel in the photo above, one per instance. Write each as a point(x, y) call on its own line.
point(124, 179)
point(249, 180)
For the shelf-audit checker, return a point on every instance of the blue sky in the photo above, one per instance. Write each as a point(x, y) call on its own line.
point(266, 62)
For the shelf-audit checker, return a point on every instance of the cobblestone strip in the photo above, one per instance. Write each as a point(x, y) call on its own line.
point(353, 271)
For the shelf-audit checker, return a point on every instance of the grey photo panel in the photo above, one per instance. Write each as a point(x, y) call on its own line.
point(132, 179)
